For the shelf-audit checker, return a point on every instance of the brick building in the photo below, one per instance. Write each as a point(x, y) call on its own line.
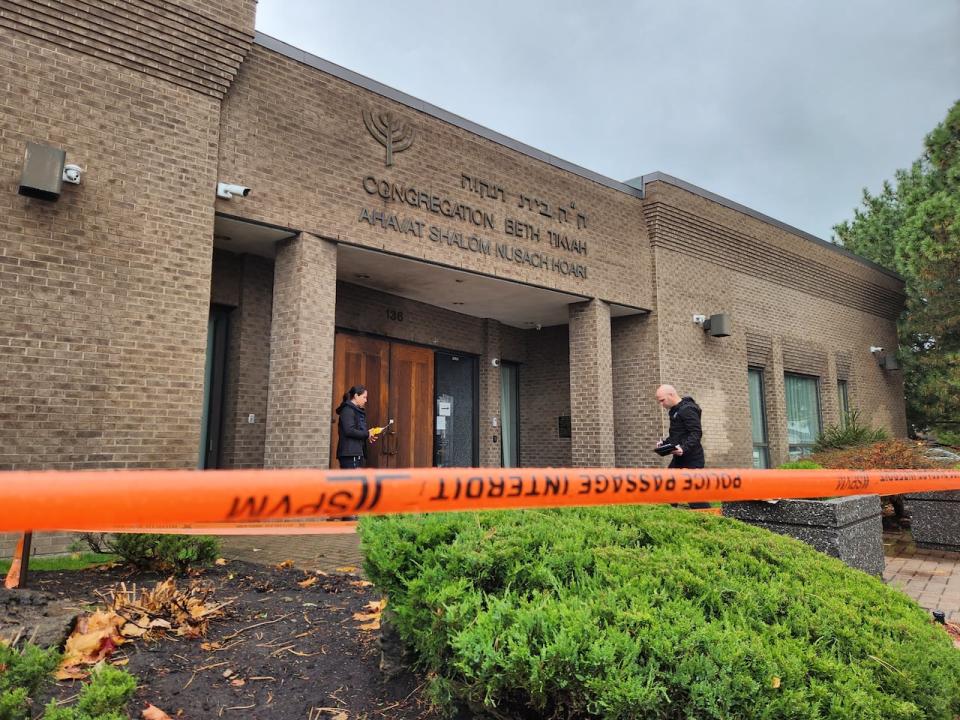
point(504, 306)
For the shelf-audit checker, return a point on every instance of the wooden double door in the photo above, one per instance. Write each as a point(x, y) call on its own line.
point(399, 380)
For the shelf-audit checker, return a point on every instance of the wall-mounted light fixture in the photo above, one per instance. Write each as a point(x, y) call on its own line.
point(886, 361)
point(715, 326)
point(44, 172)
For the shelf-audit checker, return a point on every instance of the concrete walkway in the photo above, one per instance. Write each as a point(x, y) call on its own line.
point(930, 577)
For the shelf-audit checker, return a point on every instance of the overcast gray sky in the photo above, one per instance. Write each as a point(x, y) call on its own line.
point(789, 107)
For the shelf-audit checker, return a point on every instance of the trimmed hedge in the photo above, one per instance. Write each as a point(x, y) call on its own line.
point(650, 612)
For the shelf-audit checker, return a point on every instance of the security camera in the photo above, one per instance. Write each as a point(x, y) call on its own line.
point(228, 190)
point(876, 349)
point(539, 326)
point(495, 362)
point(71, 174)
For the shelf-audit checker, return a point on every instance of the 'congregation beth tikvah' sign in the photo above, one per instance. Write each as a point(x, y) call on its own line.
point(565, 253)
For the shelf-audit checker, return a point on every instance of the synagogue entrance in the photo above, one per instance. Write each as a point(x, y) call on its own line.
point(399, 379)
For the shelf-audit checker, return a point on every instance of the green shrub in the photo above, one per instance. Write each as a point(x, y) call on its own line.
point(800, 465)
point(179, 553)
point(947, 437)
point(849, 433)
point(103, 698)
point(633, 612)
point(22, 675)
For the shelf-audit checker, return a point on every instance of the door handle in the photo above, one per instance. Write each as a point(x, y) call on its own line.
point(390, 443)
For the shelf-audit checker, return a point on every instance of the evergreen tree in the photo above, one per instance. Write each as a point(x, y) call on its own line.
point(913, 228)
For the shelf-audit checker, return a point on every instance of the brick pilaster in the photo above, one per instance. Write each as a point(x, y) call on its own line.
point(301, 354)
point(491, 454)
point(776, 406)
point(591, 385)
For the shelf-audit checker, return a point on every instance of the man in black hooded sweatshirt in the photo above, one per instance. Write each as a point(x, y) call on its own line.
point(685, 431)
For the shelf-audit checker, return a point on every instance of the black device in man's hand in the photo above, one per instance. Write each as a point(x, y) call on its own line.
point(664, 449)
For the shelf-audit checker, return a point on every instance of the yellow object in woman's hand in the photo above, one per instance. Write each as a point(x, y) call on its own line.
point(377, 430)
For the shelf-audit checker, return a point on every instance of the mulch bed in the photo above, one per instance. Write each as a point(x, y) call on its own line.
point(295, 652)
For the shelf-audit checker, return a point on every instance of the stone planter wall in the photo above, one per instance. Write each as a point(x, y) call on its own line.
point(935, 520)
point(847, 528)
point(43, 543)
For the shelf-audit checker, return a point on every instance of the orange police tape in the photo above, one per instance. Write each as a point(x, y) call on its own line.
point(116, 499)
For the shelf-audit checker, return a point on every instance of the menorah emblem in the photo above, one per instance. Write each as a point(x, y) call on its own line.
point(391, 132)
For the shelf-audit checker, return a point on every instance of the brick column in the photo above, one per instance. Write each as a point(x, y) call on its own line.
point(301, 354)
point(636, 375)
point(775, 396)
point(591, 385)
point(829, 396)
point(491, 454)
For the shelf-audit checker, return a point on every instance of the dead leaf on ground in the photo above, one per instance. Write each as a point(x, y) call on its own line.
point(285, 565)
point(361, 583)
point(347, 568)
point(308, 582)
point(152, 712)
point(370, 616)
point(220, 561)
point(327, 713)
point(94, 638)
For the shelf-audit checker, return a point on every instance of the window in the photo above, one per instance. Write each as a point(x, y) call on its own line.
point(758, 419)
point(844, 402)
point(803, 413)
point(509, 414)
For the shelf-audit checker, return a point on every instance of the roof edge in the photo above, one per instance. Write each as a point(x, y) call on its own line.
point(354, 78)
point(643, 180)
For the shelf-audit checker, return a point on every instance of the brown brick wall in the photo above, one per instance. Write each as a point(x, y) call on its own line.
point(365, 310)
point(104, 292)
point(297, 137)
point(196, 45)
point(248, 358)
point(804, 332)
point(544, 397)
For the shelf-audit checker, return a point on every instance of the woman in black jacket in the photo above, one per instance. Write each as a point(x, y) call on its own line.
point(352, 428)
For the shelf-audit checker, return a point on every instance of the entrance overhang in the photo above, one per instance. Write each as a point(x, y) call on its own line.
point(513, 303)
point(241, 236)
point(520, 305)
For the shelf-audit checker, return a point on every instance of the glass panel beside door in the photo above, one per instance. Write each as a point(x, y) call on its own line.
point(455, 422)
point(510, 414)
